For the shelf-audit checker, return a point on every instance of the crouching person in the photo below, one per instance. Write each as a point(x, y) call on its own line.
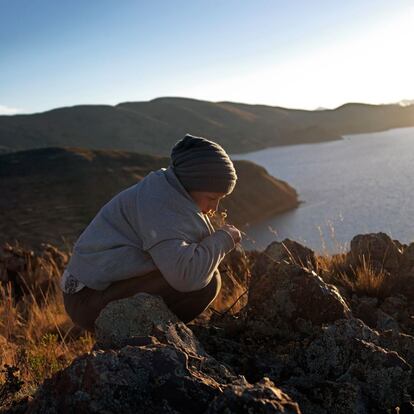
point(155, 237)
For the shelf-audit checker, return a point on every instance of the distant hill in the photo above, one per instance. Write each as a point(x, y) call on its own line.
point(51, 194)
point(153, 127)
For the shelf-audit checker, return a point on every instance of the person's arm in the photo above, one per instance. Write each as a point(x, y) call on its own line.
point(190, 266)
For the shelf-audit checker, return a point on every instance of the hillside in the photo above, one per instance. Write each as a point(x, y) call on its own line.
point(153, 127)
point(51, 194)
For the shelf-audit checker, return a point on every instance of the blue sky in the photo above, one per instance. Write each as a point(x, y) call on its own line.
point(302, 54)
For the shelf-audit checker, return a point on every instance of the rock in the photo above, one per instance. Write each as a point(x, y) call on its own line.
point(365, 308)
point(161, 366)
point(286, 250)
point(162, 369)
point(144, 319)
point(396, 306)
point(289, 298)
point(135, 317)
point(376, 249)
point(261, 398)
point(386, 322)
point(399, 342)
point(29, 273)
point(346, 352)
point(326, 397)
point(152, 379)
point(407, 261)
point(401, 310)
point(406, 273)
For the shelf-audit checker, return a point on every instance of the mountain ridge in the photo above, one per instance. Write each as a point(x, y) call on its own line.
point(154, 126)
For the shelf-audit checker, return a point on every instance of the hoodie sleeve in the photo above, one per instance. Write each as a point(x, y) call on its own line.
point(190, 266)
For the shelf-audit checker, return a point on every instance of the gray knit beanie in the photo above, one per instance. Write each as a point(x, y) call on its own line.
point(203, 165)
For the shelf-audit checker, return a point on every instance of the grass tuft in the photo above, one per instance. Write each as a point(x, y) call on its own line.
point(363, 280)
point(37, 337)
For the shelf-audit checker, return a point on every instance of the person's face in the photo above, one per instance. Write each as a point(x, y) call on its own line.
point(207, 201)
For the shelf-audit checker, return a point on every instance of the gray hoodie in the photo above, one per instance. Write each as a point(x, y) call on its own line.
point(153, 224)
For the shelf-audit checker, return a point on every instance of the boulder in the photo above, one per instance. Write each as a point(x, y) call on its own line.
point(376, 249)
point(288, 299)
point(347, 352)
point(153, 378)
point(287, 250)
point(135, 317)
point(31, 274)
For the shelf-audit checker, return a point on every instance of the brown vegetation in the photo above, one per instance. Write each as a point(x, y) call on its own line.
point(36, 336)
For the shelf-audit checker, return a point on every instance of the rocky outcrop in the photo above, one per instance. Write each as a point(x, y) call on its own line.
point(298, 345)
point(152, 363)
point(346, 352)
point(288, 300)
point(301, 333)
point(378, 250)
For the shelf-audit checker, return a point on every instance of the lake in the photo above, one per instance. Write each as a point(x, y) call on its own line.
point(361, 184)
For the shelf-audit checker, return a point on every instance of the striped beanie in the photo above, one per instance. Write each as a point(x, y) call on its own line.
point(203, 165)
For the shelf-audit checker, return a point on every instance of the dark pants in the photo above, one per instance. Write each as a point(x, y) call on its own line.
point(84, 306)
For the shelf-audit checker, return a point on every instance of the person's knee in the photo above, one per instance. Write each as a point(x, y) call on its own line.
point(216, 284)
point(210, 292)
point(81, 315)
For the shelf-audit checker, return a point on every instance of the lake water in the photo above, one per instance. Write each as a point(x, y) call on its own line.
point(361, 184)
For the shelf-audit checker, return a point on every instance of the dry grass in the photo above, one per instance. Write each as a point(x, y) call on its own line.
point(363, 280)
point(36, 335)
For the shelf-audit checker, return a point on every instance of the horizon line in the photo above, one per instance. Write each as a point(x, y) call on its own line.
point(402, 103)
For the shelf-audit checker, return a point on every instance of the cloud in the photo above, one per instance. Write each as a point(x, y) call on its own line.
point(7, 110)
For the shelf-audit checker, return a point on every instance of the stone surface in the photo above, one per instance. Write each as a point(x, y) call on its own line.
point(406, 273)
point(328, 397)
point(288, 298)
point(153, 378)
point(377, 249)
point(124, 319)
point(151, 364)
point(386, 322)
point(295, 347)
point(261, 398)
point(341, 354)
point(31, 273)
point(365, 308)
point(407, 261)
point(287, 250)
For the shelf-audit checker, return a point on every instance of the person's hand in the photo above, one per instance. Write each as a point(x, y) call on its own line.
point(233, 231)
